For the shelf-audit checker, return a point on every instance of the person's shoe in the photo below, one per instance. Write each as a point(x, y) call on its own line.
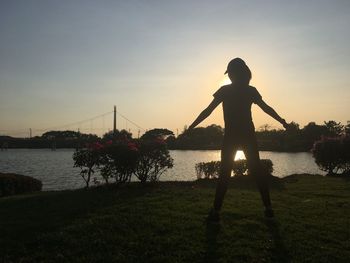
point(213, 216)
point(269, 213)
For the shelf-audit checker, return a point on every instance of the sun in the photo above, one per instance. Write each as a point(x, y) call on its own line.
point(239, 155)
point(225, 81)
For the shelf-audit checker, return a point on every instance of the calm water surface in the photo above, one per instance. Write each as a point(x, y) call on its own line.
point(55, 168)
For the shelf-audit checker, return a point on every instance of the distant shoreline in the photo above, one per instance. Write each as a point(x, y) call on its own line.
point(171, 149)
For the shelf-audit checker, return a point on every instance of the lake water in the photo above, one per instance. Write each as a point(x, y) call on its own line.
point(55, 168)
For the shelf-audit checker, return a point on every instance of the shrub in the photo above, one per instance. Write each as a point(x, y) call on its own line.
point(208, 169)
point(88, 159)
point(11, 184)
point(333, 154)
point(153, 160)
point(122, 157)
point(212, 169)
point(239, 167)
point(119, 160)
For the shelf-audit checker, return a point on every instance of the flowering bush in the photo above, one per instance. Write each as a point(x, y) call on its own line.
point(119, 160)
point(212, 169)
point(88, 159)
point(333, 154)
point(154, 159)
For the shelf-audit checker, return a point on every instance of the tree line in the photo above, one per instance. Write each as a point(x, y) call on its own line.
point(295, 139)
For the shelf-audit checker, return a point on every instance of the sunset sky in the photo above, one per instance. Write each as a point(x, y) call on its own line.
point(161, 61)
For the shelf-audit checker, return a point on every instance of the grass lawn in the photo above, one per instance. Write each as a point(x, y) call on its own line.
point(165, 223)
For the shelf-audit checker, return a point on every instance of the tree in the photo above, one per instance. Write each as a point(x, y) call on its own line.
point(209, 137)
point(347, 129)
point(313, 132)
point(61, 134)
point(265, 127)
point(87, 159)
point(68, 135)
point(293, 126)
point(334, 128)
point(122, 134)
point(157, 133)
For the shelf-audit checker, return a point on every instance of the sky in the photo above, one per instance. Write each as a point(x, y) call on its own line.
point(160, 61)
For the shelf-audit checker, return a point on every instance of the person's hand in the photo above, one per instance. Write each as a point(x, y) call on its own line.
point(286, 125)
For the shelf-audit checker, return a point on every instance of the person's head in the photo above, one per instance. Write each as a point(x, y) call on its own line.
point(238, 71)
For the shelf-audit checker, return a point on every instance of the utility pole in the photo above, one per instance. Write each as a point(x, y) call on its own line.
point(30, 133)
point(115, 120)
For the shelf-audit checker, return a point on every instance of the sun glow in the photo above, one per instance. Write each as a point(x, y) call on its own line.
point(225, 81)
point(239, 156)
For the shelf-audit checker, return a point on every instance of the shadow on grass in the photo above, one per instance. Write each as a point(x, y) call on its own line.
point(211, 253)
point(246, 182)
point(24, 218)
point(279, 252)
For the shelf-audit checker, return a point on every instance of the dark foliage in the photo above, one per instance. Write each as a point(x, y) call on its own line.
point(153, 160)
point(208, 169)
point(12, 184)
point(88, 159)
point(119, 159)
point(157, 133)
point(199, 138)
point(332, 154)
point(347, 129)
point(58, 139)
point(68, 135)
point(295, 139)
point(118, 134)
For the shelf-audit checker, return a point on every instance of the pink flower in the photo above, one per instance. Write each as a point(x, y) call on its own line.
point(132, 146)
point(108, 143)
point(96, 146)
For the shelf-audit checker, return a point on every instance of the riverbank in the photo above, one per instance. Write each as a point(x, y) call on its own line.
point(165, 223)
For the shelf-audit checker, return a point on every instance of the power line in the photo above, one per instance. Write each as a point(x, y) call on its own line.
point(76, 123)
point(138, 126)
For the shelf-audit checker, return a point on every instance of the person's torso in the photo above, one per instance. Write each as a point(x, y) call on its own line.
point(237, 104)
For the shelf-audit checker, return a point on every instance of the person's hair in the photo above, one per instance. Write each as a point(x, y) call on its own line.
point(240, 72)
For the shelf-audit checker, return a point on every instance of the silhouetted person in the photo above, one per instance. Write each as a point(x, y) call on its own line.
point(237, 99)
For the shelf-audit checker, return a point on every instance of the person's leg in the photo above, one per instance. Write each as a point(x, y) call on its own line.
point(259, 173)
point(227, 152)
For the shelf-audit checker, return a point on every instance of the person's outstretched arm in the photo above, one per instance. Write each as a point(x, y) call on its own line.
point(270, 111)
point(205, 113)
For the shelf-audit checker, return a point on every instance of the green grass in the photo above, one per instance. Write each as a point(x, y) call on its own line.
point(165, 223)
